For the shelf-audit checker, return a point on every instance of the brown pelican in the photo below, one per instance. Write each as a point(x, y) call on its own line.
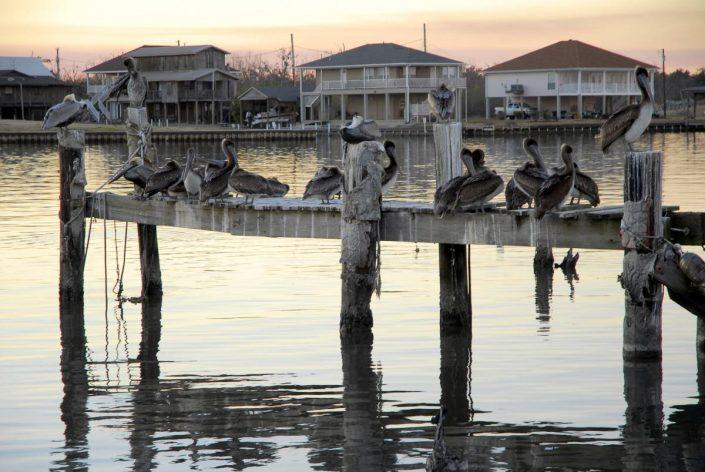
point(276, 188)
point(359, 130)
point(136, 84)
point(529, 177)
point(441, 459)
point(683, 273)
point(632, 120)
point(557, 186)
point(479, 188)
point(692, 266)
point(68, 111)
point(446, 194)
point(585, 187)
point(192, 176)
point(327, 182)
point(134, 171)
point(442, 102)
point(246, 183)
point(216, 181)
point(392, 170)
point(514, 197)
point(162, 178)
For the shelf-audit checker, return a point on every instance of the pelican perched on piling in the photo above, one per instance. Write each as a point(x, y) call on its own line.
point(531, 175)
point(630, 121)
point(135, 171)
point(162, 178)
point(442, 102)
point(327, 182)
point(392, 170)
point(683, 273)
point(445, 195)
point(359, 130)
point(479, 188)
point(136, 84)
point(68, 111)
point(557, 186)
point(216, 181)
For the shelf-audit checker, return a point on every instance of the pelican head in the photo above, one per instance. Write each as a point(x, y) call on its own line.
point(678, 249)
point(131, 65)
point(642, 80)
point(567, 155)
point(478, 158)
point(466, 157)
point(390, 148)
point(357, 120)
point(70, 98)
point(228, 148)
point(529, 144)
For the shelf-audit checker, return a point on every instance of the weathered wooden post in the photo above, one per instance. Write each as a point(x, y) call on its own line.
point(72, 196)
point(139, 134)
point(641, 229)
point(362, 200)
point(453, 259)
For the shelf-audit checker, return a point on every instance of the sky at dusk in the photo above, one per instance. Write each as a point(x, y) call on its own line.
point(479, 32)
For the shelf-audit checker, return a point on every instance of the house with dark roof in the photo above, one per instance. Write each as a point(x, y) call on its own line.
point(187, 84)
point(565, 79)
point(383, 81)
point(279, 102)
point(28, 88)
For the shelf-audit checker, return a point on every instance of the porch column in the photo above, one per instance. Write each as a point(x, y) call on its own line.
point(386, 106)
point(302, 108)
point(580, 107)
point(364, 104)
point(406, 96)
point(342, 107)
point(457, 101)
point(178, 112)
point(487, 108)
point(604, 104)
point(558, 106)
point(538, 105)
point(195, 111)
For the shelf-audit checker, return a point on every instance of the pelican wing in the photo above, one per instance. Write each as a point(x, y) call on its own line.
point(616, 125)
point(162, 179)
point(514, 197)
point(446, 194)
point(552, 192)
point(62, 114)
point(324, 186)
point(478, 188)
point(114, 90)
point(587, 188)
point(529, 178)
point(248, 183)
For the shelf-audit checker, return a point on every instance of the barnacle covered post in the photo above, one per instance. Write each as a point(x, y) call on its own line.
point(453, 259)
point(72, 195)
point(359, 231)
point(641, 231)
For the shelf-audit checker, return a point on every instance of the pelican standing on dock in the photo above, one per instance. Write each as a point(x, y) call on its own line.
point(445, 195)
point(162, 178)
point(359, 130)
point(557, 186)
point(529, 177)
point(217, 181)
point(391, 172)
point(585, 187)
point(136, 84)
point(514, 197)
point(192, 176)
point(66, 112)
point(246, 183)
point(327, 182)
point(134, 171)
point(276, 188)
point(479, 188)
point(442, 102)
point(632, 120)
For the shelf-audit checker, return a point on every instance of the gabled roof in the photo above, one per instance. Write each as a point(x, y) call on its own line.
point(569, 54)
point(283, 94)
point(183, 75)
point(13, 78)
point(31, 66)
point(116, 63)
point(378, 54)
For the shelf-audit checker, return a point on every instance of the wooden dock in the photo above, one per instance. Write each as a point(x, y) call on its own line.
point(593, 228)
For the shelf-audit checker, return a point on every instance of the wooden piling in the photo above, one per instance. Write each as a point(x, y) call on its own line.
point(362, 199)
point(641, 229)
point(453, 259)
point(72, 194)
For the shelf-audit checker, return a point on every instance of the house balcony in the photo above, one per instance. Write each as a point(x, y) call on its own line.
point(389, 83)
point(592, 88)
point(204, 95)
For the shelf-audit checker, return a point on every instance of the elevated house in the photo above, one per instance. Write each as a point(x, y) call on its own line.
point(28, 88)
point(566, 79)
point(383, 81)
point(187, 84)
point(278, 104)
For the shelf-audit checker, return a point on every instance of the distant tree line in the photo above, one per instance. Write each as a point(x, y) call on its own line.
point(677, 81)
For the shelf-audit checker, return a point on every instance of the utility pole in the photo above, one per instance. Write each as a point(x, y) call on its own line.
point(58, 65)
point(424, 37)
point(663, 83)
point(293, 61)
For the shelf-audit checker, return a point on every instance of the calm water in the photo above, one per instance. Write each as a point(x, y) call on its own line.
point(246, 367)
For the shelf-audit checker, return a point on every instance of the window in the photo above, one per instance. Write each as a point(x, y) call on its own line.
point(412, 71)
point(449, 72)
point(551, 81)
point(374, 73)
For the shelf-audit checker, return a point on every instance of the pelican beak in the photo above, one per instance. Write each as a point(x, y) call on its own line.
point(644, 81)
point(121, 171)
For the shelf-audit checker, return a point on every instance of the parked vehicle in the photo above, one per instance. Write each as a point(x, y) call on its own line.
point(513, 110)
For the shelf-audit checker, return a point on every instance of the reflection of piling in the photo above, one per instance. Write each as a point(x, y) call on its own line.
point(453, 259)
point(543, 273)
point(362, 199)
point(456, 357)
point(72, 192)
point(363, 446)
point(641, 228)
point(151, 335)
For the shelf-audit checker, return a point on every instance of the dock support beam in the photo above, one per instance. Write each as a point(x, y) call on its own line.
point(641, 229)
point(72, 196)
point(453, 259)
point(359, 231)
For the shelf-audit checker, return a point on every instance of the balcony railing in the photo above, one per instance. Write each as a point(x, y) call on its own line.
point(389, 83)
point(202, 95)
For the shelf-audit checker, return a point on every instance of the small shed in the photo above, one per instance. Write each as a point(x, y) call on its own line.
point(692, 95)
point(273, 102)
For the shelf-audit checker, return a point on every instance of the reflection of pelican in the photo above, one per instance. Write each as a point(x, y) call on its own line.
point(529, 177)
point(392, 170)
point(359, 130)
point(135, 172)
point(327, 182)
point(441, 460)
point(216, 181)
point(632, 120)
point(446, 194)
point(556, 188)
point(162, 178)
point(569, 262)
point(442, 102)
point(66, 112)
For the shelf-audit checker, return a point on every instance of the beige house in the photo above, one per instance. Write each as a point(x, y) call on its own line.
point(384, 82)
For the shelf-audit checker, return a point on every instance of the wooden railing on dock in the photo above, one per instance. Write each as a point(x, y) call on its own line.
point(596, 228)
